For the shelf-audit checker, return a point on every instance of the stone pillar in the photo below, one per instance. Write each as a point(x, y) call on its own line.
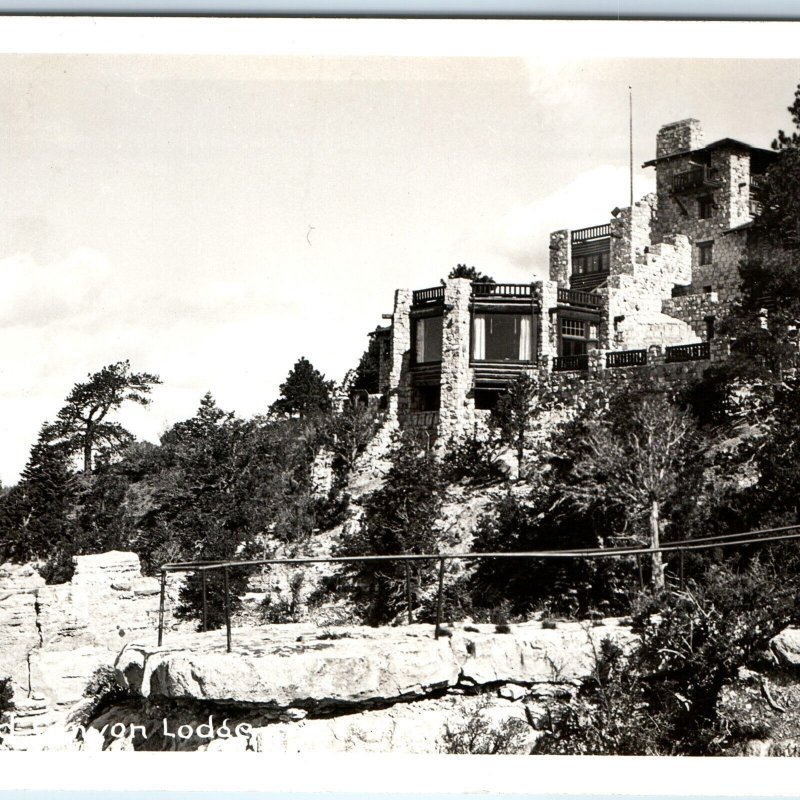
point(733, 197)
point(547, 335)
point(400, 353)
point(456, 408)
point(560, 257)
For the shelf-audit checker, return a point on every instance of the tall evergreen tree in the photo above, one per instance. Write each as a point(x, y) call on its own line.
point(37, 512)
point(304, 392)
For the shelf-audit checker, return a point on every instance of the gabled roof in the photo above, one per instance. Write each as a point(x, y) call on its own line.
point(763, 157)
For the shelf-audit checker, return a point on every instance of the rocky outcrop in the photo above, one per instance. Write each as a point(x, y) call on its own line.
point(452, 723)
point(54, 637)
point(284, 666)
point(298, 688)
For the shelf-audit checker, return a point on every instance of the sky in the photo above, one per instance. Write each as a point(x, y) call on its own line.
point(214, 218)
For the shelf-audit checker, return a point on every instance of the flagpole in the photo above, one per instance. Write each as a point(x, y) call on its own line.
point(630, 139)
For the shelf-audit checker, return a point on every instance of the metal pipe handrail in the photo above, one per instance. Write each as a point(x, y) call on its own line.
point(184, 566)
point(786, 532)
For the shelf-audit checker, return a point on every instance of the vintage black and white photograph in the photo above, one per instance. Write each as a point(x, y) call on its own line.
point(401, 403)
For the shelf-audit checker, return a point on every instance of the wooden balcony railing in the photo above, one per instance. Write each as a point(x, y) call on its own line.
point(433, 295)
point(570, 363)
point(688, 352)
point(422, 420)
point(693, 178)
point(575, 297)
point(626, 358)
point(594, 232)
point(480, 289)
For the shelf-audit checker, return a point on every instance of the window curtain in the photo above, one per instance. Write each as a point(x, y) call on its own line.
point(479, 338)
point(525, 338)
point(420, 349)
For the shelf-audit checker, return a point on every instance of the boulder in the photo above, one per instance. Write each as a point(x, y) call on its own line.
point(268, 670)
point(531, 654)
point(786, 647)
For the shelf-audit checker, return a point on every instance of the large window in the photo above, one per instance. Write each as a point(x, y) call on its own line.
point(428, 344)
point(585, 265)
point(502, 337)
point(576, 336)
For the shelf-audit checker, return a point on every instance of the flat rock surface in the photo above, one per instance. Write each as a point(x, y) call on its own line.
point(301, 665)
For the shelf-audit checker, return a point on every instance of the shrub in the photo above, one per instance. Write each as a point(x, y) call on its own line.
point(6, 696)
point(476, 735)
point(474, 460)
point(565, 586)
point(284, 609)
point(665, 697)
point(102, 691)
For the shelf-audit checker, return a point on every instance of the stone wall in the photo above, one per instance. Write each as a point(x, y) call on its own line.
point(456, 404)
point(722, 275)
point(694, 310)
point(631, 235)
point(632, 316)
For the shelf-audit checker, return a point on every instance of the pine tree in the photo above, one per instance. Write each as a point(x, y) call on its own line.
point(83, 426)
point(37, 513)
point(471, 273)
point(304, 392)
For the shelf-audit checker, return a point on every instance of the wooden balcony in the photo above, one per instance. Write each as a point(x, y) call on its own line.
point(688, 352)
point(423, 297)
point(626, 358)
point(699, 177)
point(594, 232)
point(575, 297)
point(515, 290)
point(578, 363)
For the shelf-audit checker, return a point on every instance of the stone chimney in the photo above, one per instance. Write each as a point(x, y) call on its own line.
point(678, 137)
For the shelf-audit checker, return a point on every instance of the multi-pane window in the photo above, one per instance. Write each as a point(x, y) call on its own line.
point(577, 336)
point(596, 262)
point(705, 207)
point(705, 253)
point(428, 344)
point(502, 337)
point(573, 327)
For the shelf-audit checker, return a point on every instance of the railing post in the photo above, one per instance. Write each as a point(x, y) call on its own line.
point(439, 599)
point(227, 608)
point(161, 607)
point(203, 573)
point(681, 569)
point(408, 591)
point(641, 574)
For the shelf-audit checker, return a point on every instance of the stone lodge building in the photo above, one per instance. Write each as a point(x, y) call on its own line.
point(643, 289)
